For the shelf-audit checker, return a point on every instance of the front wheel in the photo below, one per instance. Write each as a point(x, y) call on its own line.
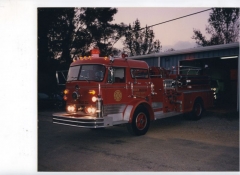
point(140, 122)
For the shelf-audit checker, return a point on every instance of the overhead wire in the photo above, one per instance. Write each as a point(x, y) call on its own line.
point(176, 18)
point(168, 21)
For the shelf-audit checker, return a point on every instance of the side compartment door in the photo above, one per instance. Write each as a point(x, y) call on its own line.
point(140, 84)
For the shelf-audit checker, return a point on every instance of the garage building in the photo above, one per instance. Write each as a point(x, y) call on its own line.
point(220, 62)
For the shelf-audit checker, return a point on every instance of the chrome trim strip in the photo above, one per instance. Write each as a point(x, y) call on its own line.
point(119, 122)
point(67, 115)
point(113, 109)
point(115, 117)
point(127, 113)
point(78, 125)
point(189, 91)
point(161, 114)
point(74, 121)
point(102, 87)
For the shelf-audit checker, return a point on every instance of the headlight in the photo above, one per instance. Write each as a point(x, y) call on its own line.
point(71, 108)
point(90, 110)
point(94, 99)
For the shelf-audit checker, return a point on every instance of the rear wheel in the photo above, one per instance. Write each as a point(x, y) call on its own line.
point(140, 122)
point(197, 110)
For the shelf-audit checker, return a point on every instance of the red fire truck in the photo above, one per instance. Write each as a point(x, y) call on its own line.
point(107, 91)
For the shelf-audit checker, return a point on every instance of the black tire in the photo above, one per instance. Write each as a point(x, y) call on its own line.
point(140, 122)
point(197, 111)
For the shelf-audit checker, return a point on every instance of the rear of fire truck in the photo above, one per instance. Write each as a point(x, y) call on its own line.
point(183, 91)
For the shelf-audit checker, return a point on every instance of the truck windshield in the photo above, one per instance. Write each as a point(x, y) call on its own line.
point(73, 73)
point(93, 72)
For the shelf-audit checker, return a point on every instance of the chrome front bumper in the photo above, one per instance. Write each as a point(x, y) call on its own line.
point(81, 121)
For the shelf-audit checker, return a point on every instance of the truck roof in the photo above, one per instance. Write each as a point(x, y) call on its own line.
point(122, 62)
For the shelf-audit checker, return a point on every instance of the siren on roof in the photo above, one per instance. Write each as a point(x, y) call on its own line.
point(95, 52)
point(124, 55)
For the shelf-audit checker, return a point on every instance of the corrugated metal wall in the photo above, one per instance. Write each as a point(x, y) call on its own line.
point(169, 61)
point(151, 61)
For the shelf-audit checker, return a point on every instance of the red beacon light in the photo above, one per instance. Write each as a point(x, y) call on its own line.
point(95, 52)
point(124, 55)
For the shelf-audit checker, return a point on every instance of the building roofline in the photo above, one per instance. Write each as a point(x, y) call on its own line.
point(186, 51)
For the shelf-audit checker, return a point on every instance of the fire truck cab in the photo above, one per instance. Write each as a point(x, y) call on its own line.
point(107, 91)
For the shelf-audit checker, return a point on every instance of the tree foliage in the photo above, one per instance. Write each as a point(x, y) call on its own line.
point(140, 42)
point(223, 27)
point(95, 24)
point(169, 50)
point(74, 31)
point(53, 34)
point(67, 32)
point(53, 31)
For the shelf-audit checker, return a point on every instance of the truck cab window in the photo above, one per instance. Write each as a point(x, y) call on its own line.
point(116, 75)
point(139, 73)
point(91, 72)
point(73, 73)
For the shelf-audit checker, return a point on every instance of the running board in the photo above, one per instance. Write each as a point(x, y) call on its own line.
point(160, 115)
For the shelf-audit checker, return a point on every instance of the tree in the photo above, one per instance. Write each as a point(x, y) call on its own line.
point(223, 27)
point(47, 34)
point(51, 29)
point(74, 31)
point(67, 32)
point(170, 50)
point(61, 34)
point(140, 42)
point(148, 45)
point(95, 24)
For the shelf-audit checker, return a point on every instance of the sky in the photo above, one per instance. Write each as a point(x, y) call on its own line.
point(175, 34)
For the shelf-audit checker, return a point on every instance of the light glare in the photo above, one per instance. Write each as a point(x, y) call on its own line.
point(229, 57)
point(94, 99)
point(91, 92)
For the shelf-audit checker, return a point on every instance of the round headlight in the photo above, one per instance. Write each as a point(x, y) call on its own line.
point(94, 99)
point(93, 110)
point(90, 110)
point(71, 108)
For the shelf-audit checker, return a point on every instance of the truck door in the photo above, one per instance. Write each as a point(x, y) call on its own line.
point(115, 91)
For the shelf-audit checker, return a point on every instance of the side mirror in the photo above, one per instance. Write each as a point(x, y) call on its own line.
point(133, 72)
point(110, 75)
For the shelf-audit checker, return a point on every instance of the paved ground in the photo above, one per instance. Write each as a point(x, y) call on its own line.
point(172, 144)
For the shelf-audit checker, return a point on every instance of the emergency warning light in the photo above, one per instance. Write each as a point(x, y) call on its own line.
point(95, 52)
